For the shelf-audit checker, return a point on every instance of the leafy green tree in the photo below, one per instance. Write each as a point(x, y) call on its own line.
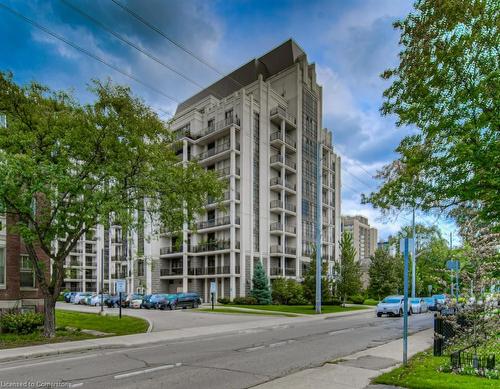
point(384, 274)
point(349, 282)
point(309, 282)
point(66, 167)
point(287, 291)
point(260, 285)
point(447, 87)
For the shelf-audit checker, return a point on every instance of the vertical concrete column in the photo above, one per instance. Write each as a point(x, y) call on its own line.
point(232, 231)
point(185, 233)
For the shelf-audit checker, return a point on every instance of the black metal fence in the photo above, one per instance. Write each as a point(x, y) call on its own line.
point(443, 333)
point(460, 359)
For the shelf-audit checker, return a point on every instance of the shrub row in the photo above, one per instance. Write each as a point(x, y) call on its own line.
point(21, 323)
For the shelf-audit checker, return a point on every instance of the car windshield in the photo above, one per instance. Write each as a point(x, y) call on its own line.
point(391, 300)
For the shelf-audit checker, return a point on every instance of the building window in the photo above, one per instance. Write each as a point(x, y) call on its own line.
point(2, 267)
point(140, 268)
point(27, 273)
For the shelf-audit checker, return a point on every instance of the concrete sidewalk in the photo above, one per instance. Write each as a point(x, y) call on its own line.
point(160, 336)
point(356, 370)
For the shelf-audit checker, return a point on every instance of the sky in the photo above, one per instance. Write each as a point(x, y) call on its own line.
point(351, 43)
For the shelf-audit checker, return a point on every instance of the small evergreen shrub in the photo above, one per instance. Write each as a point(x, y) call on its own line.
point(223, 300)
point(249, 300)
point(357, 299)
point(21, 323)
point(370, 302)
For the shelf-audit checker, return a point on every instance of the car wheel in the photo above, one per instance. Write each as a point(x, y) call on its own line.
point(172, 307)
point(400, 312)
point(195, 305)
point(379, 315)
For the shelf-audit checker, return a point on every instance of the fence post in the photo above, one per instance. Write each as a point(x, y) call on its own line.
point(438, 336)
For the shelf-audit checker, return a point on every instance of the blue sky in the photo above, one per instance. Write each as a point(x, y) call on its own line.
point(351, 42)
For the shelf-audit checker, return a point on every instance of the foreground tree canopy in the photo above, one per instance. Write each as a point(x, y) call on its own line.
point(447, 87)
point(66, 167)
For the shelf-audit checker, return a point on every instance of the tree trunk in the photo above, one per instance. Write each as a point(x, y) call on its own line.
point(49, 326)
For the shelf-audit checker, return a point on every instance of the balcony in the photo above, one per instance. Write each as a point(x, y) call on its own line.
point(171, 250)
point(118, 276)
point(211, 246)
point(277, 160)
point(276, 249)
point(217, 222)
point(275, 271)
point(220, 125)
point(212, 270)
point(278, 204)
point(290, 250)
point(278, 113)
point(280, 227)
point(174, 271)
point(221, 148)
point(91, 264)
point(278, 137)
point(226, 197)
point(290, 271)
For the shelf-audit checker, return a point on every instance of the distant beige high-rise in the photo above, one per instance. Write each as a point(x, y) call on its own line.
point(364, 240)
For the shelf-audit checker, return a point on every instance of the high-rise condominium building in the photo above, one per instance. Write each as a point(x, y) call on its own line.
point(260, 128)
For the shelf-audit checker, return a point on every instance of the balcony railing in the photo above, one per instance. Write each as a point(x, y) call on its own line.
point(290, 271)
point(276, 249)
point(214, 222)
point(226, 196)
point(220, 125)
point(275, 271)
point(278, 135)
point(174, 271)
point(279, 204)
point(290, 250)
point(212, 270)
point(284, 114)
point(278, 226)
point(216, 150)
point(276, 181)
point(277, 158)
point(171, 250)
point(211, 246)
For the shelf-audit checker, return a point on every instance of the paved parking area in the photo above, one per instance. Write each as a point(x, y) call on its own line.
point(170, 320)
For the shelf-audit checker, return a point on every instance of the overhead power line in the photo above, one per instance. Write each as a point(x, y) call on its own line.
point(174, 42)
point(131, 44)
point(86, 52)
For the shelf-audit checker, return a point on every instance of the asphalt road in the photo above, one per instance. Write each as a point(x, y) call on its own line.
point(233, 360)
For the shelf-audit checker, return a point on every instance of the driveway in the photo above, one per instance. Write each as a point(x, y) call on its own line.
point(170, 320)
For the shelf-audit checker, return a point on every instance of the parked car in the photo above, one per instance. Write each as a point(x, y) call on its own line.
point(80, 296)
point(87, 299)
point(130, 297)
point(392, 306)
point(96, 299)
point(114, 301)
point(431, 303)
point(188, 300)
point(418, 305)
point(136, 301)
point(68, 296)
point(441, 301)
point(152, 301)
point(72, 297)
point(167, 301)
point(145, 300)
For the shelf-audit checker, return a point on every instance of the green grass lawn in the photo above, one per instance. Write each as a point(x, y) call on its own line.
point(301, 309)
point(89, 321)
point(422, 372)
point(230, 310)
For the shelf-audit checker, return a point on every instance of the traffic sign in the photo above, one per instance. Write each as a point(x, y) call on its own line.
point(120, 286)
point(453, 265)
point(213, 287)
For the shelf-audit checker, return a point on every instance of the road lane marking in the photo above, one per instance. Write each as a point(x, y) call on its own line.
point(46, 362)
point(253, 348)
point(146, 371)
point(341, 331)
point(76, 385)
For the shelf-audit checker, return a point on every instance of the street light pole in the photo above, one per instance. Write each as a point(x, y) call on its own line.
point(413, 257)
point(406, 243)
point(102, 279)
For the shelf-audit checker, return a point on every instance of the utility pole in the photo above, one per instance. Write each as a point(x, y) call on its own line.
point(102, 277)
point(413, 257)
point(318, 226)
point(405, 243)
